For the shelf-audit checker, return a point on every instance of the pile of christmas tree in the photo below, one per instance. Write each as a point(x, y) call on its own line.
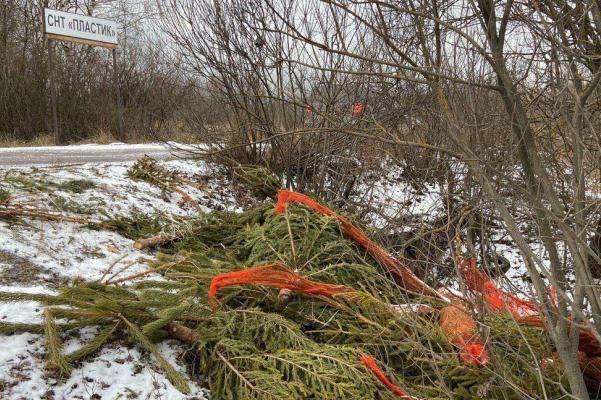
point(294, 302)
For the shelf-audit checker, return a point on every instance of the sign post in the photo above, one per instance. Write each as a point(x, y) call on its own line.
point(81, 29)
point(120, 133)
point(54, 108)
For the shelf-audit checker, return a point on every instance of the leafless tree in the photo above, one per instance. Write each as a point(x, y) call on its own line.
point(508, 90)
point(83, 75)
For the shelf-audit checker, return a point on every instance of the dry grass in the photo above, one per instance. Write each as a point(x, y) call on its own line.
point(103, 137)
point(100, 137)
point(41, 140)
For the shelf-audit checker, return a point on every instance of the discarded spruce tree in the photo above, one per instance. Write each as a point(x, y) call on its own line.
point(344, 327)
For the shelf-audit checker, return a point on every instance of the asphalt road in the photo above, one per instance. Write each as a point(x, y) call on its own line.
point(79, 154)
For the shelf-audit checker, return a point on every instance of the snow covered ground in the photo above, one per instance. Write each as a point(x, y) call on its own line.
point(88, 153)
point(38, 256)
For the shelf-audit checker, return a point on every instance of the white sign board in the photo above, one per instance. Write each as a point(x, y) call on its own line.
point(62, 25)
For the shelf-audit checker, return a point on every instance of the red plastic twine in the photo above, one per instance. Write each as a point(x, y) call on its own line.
point(404, 275)
point(370, 363)
point(275, 275)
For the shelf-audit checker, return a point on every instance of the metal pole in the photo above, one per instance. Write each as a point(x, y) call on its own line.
point(120, 133)
point(53, 105)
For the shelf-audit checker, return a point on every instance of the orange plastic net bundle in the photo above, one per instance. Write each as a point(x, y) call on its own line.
point(406, 278)
point(275, 275)
point(496, 299)
point(370, 363)
point(525, 312)
point(460, 329)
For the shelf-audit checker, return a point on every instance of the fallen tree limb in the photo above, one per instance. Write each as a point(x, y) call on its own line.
point(157, 240)
point(148, 169)
point(139, 274)
point(44, 215)
point(183, 333)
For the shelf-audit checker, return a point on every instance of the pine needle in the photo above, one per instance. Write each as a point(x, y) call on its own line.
point(42, 298)
point(174, 377)
point(55, 361)
point(166, 317)
point(10, 328)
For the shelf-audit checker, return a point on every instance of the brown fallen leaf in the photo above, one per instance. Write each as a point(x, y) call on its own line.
point(112, 249)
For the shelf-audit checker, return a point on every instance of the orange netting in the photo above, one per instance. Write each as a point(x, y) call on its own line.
point(496, 299)
point(275, 275)
point(357, 108)
point(525, 312)
point(589, 344)
point(370, 363)
point(460, 329)
point(404, 275)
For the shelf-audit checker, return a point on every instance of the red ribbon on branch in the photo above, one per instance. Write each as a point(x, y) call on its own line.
point(357, 109)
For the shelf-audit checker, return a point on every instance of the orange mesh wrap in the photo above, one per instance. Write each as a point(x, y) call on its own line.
point(525, 312)
point(496, 299)
point(403, 274)
point(275, 275)
point(357, 108)
point(473, 276)
point(460, 329)
point(370, 363)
